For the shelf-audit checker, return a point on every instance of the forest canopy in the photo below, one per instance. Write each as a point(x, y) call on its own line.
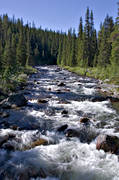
point(22, 46)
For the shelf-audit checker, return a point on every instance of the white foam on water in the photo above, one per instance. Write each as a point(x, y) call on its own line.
point(32, 101)
point(35, 113)
point(92, 107)
point(86, 106)
point(88, 91)
point(70, 160)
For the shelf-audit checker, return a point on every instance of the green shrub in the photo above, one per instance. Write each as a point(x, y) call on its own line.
point(22, 78)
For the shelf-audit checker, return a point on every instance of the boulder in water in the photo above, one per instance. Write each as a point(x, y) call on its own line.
point(108, 143)
point(16, 100)
point(84, 120)
point(86, 135)
point(39, 142)
point(98, 98)
point(62, 128)
point(3, 139)
point(61, 84)
point(8, 146)
point(42, 101)
point(64, 112)
point(72, 133)
point(63, 101)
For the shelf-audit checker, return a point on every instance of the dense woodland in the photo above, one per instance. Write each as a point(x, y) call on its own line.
point(22, 46)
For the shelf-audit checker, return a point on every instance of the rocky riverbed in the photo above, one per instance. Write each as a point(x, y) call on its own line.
point(59, 127)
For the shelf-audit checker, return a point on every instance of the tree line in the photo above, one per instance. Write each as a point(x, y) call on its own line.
point(25, 45)
point(90, 48)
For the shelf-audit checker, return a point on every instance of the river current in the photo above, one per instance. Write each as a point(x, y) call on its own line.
point(69, 97)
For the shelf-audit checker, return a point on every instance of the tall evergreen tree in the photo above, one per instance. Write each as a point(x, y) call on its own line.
point(80, 45)
point(104, 43)
point(115, 47)
point(73, 60)
point(21, 50)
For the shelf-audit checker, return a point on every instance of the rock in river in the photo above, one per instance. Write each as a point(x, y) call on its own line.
point(42, 101)
point(86, 135)
point(61, 84)
point(17, 100)
point(64, 112)
point(62, 128)
point(108, 143)
point(84, 120)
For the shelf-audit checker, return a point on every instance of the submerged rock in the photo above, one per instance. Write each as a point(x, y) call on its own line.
point(63, 101)
point(98, 98)
point(14, 127)
point(38, 142)
point(62, 128)
point(8, 146)
point(3, 139)
point(4, 114)
point(86, 135)
point(107, 143)
point(50, 112)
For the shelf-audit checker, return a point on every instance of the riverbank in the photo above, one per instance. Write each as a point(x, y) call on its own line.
point(107, 86)
point(13, 83)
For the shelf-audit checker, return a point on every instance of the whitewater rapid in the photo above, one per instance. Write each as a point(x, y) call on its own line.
point(62, 158)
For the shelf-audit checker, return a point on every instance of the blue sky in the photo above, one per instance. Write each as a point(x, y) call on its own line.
point(58, 14)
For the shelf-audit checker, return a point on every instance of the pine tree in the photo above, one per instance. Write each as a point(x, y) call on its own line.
point(117, 19)
point(104, 43)
point(80, 44)
point(1, 59)
point(63, 60)
point(21, 50)
point(73, 60)
point(8, 57)
point(28, 50)
point(59, 57)
point(87, 39)
point(115, 47)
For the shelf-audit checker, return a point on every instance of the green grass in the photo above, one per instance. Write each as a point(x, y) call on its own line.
point(29, 70)
point(98, 73)
point(10, 83)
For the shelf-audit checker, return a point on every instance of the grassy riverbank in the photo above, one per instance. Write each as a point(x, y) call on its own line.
point(103, 74)
point(13, 81)
point(98, 73)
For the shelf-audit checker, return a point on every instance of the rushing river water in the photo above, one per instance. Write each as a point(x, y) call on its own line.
point(68, 98)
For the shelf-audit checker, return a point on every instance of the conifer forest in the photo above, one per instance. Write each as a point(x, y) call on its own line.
point(25, 45)
point(59, 96)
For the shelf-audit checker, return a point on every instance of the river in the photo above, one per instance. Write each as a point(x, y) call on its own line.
point(64, 98)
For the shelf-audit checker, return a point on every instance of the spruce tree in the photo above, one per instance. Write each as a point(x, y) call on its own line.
point(80, 44)
point(59, 57)
point(63, 60)
point(28, 50)
point(73, 60)
point(115, 47)
point(104, 43)
point(21, 50)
